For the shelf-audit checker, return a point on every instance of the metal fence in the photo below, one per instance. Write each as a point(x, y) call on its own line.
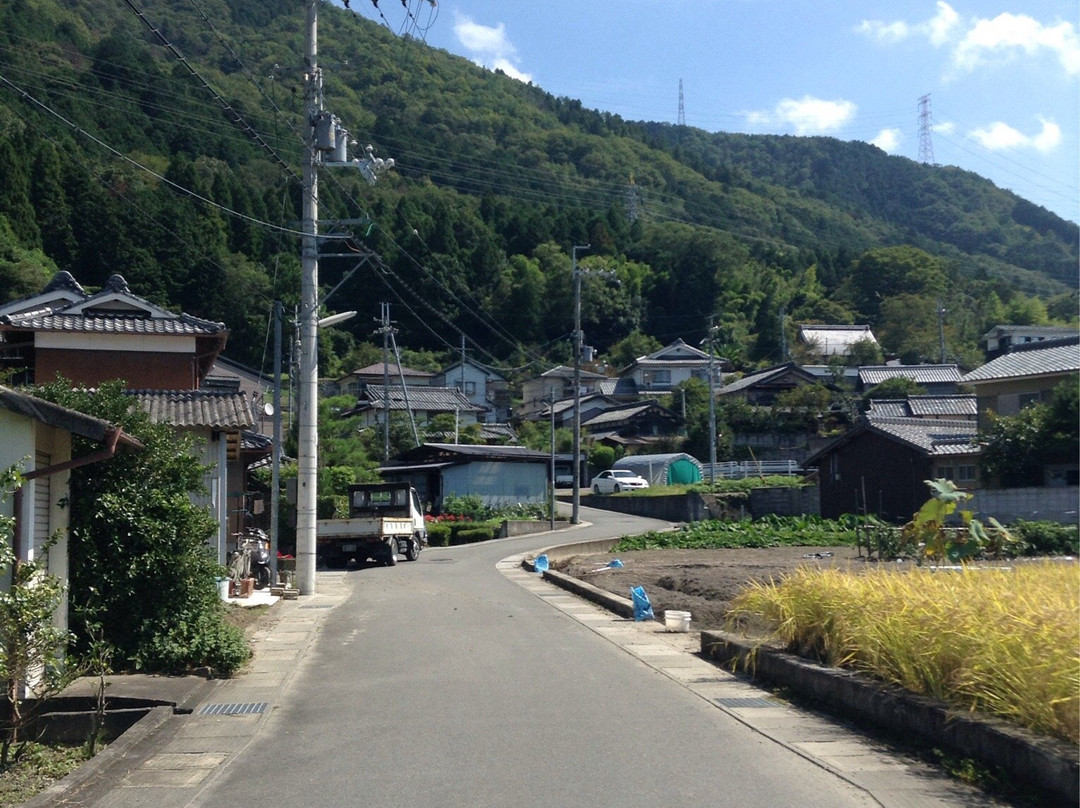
point(732, 470)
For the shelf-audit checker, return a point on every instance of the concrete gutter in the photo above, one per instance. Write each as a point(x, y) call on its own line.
point(1049, 765)
point(116, 751)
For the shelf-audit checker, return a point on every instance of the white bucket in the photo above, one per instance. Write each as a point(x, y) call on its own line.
point(223, 588)
point(676, 621)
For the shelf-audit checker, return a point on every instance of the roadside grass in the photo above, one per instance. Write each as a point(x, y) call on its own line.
point(37, 768)
point(1005, 641)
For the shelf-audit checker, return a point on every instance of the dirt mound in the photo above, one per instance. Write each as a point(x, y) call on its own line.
point(703, 582)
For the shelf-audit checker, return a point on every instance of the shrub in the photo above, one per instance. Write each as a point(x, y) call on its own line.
point(469, 505)
point(438, 534)
point(1046, 538)
point(473, 534)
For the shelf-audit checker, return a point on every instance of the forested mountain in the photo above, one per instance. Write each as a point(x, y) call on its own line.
point(163, 140)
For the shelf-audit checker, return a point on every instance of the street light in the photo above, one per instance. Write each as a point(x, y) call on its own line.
point(575, 517)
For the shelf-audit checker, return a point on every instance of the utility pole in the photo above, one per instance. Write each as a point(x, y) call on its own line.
point(385, 329)
point(326, 143)
point(941, 310)
point(575, 516)
point(275, 465)
point(307, 384)
point(712, 405)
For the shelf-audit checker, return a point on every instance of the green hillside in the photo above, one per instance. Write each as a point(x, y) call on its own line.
point(168, 147)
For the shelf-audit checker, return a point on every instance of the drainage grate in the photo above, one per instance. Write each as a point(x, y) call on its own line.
point(318, 606)
point(747, 702)
point(242, 708)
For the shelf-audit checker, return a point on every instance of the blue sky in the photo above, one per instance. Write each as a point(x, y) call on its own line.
point(1003, 76)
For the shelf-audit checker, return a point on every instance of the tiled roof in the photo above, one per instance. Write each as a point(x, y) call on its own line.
point(616, 415)
point(932, 437)
point(181, 324)
point(564, 372)
point(870, 375)
point(379, 369)
point(196, 408)
point(925, 407)
point(763, 376)
point(426, 399)
point(1035, 359)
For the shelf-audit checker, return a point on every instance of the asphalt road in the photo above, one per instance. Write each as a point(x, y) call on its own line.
point(442, 683)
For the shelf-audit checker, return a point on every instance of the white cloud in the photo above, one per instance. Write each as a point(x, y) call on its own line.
point(887, 140)
point(885, 32)
point(979, 41)
point(999, 136)
point(937, 29)
point(806, 115)
point(489, 47)
point(1008, 35)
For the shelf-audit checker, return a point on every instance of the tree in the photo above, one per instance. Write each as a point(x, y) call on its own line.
point(864, 352)
point(1018, 447)
point(885, 273)
point(140, 561)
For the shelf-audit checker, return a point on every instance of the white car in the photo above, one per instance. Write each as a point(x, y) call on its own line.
point(613, 481)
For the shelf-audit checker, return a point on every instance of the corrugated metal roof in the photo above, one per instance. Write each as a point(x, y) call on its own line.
point(870, 375)
point(196, 408)
point(833, 340)
point(1036, 360)
point(616, 415)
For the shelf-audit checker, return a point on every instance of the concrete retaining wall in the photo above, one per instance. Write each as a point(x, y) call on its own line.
point(785, 501)
point(1050, 765)
point(1057, 504)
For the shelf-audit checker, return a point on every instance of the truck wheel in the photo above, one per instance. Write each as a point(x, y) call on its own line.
point(413, 552)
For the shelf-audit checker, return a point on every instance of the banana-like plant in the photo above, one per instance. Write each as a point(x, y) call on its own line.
point(937, 543)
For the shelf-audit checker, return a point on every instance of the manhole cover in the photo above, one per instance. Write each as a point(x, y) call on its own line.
point(747, 702)
point(240, 708)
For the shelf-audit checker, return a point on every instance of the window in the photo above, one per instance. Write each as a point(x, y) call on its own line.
point(1027, 399)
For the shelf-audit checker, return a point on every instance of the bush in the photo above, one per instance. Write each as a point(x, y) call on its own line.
point(1046, 538)
point(473, 533)
point(438, 534)
point(470, 506)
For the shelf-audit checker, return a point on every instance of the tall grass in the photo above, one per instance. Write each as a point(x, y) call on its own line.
point(1002, 641)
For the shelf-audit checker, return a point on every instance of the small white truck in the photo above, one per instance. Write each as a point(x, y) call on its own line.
point(385, 520)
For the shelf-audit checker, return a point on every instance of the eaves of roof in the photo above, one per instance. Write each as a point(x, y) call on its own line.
point(1034, 362)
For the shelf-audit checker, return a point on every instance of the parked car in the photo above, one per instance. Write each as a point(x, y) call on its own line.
point(613, 481)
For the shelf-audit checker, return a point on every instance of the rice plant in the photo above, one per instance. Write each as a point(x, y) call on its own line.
point(1005, 641)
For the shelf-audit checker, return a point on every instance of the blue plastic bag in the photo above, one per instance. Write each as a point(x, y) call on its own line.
point(541, 563)
point(642, 606)
point(615, 564)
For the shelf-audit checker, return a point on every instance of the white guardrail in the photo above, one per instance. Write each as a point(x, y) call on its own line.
point(731, 470)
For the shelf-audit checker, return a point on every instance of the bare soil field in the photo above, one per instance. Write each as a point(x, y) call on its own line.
point(703, 582)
